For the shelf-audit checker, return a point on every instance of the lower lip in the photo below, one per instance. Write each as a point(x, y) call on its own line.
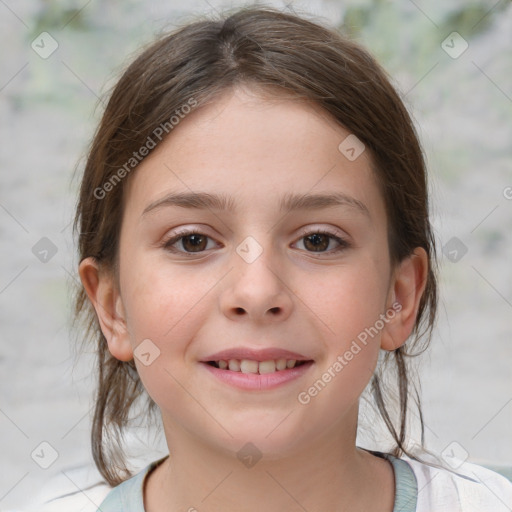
point(255, 381)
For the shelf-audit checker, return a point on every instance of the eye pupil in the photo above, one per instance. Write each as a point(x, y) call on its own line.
point(317, 239)
point(195, 241)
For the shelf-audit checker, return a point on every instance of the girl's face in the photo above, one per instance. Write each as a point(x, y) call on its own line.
point(309, 279)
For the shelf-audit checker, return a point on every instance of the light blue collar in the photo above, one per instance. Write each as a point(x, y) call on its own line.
point(129, 495)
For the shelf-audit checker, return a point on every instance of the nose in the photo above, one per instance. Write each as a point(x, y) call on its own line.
point(257, 289)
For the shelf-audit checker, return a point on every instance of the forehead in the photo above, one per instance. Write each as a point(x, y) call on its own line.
point(256, 149)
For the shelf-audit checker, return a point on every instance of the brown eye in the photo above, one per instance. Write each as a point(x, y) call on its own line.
point(187, 243)
point(194, 243)
point(319, 241)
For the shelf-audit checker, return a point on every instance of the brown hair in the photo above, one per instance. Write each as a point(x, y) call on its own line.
point(273, 50)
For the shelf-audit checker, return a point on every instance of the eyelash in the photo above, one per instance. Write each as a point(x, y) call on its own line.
point(343, 244)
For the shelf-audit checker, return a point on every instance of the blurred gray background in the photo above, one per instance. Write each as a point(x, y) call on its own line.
point(457, 86)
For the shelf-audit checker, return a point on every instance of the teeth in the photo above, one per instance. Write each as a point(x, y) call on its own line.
point(234, 365)
point(250, 366)
point(280, 364)
point(247, 366)
point(267, 366)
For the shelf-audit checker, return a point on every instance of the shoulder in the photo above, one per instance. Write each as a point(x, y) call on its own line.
point(101, 498)
point(97, 496)
point(468, 488)
point(85, 500)
point(129, 495)
point(77, 488)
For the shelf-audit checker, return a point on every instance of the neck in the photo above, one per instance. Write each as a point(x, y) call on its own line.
point(330, 473)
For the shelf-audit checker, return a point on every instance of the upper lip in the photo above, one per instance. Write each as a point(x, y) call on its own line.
point(262, 354)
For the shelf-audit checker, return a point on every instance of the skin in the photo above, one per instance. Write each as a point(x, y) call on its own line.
point(255, 148)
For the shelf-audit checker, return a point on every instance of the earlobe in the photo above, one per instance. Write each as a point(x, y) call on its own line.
point(406, 289)
point(101, 290)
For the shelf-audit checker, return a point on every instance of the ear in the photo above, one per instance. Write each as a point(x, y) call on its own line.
point(405, 292)
point(104, 296)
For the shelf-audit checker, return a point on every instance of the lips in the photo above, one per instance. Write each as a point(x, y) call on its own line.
point(259, 381)
point(265, 354)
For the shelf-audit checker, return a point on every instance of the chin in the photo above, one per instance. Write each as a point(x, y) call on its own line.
point(261, 439)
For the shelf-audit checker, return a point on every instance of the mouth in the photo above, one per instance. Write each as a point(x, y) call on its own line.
point(257, 367)
point(258, 376)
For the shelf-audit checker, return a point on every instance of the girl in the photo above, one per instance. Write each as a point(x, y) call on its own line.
point(255, 250)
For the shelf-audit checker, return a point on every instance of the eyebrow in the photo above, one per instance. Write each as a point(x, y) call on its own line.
point(289, 202)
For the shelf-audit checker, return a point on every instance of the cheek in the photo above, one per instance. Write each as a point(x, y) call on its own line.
point(161, 299)
point(351, 306)
point(167, 304)
point(351, 300)
point(167, 308)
